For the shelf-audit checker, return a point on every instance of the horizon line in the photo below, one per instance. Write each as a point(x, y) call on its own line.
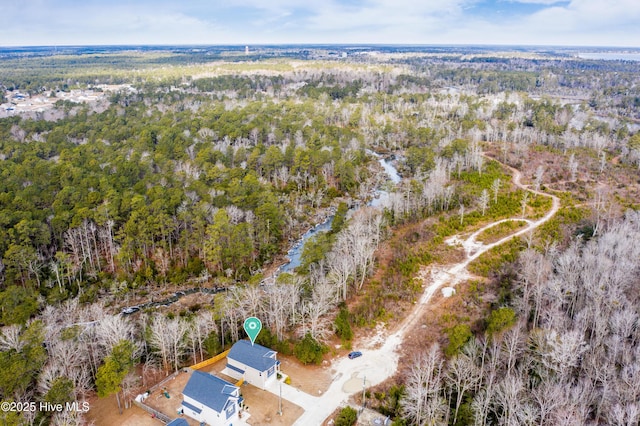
point(319, 44)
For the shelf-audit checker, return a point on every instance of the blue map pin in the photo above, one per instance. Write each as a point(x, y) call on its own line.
point(252, 327)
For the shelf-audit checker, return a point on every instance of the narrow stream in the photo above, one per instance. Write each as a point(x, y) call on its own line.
point(389, 169)
point(295, 252)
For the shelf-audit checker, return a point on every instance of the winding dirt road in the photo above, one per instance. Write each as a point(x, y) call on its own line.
point(454, 274)
point(380, 355)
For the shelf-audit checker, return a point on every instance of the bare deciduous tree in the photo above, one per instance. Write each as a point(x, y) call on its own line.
point(573, 167)
point(483, 201)
point(538, 178)
point(315, 321)
point(462, 375)
point(197, 331)
point(495, 188)
point(10, 338)
point(168, 340)
point(523, 201)
point(423, 403)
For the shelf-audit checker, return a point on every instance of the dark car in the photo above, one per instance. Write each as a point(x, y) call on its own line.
point(355, 354)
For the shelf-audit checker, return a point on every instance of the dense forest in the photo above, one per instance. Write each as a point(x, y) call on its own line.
point(198, 173)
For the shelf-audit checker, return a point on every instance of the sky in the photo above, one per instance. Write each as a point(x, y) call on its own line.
point(246, 22)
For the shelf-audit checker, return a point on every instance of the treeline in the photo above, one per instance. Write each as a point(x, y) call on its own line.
point(71, 350)
point(212, 178)
point(490, 81)
point(140, 196)
point(243, 86)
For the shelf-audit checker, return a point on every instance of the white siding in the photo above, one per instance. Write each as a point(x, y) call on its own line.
point(253, 376)
point(211, 416)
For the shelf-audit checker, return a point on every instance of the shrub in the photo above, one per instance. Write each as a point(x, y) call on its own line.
point(212, 344)
point(270, 340)
point(309, 350)
point(342, 326)
point(347, 417)
point(499, 320)
point(458, 335)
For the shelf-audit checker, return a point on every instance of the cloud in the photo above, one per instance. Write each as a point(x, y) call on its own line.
point(93, 22)
point(590, 21)
point(597, 22)
point(373, 21)
point(543, 2)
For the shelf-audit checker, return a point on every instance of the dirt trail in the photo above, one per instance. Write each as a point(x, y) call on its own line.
point(453, 274)
point(380, 357)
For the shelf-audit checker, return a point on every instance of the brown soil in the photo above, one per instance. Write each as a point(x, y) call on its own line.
point(263, 405)
point(620, 180)
point(104, 412)
point(445, 312)
point(442, 313)
point(311, 379)
point(263, 408)
point(419, 237)
point(169, 406)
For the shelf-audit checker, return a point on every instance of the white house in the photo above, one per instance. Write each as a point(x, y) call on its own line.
point(209, 399)
point(255, 364)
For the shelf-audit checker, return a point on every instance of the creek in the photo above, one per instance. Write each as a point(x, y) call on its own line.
point(294, 255)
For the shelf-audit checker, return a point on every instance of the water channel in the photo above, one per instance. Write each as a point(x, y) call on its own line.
point(294, 255)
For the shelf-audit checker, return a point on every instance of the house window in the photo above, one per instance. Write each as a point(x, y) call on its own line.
point(271, 371)
point(231, 410)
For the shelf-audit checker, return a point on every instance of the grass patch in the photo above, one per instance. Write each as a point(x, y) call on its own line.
point(500, 231)
point(490, 262)
point(559, 228)
point(538, 206)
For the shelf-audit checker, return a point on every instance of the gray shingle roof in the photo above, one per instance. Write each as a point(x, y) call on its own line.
point(255, 356)
point(209, 390)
